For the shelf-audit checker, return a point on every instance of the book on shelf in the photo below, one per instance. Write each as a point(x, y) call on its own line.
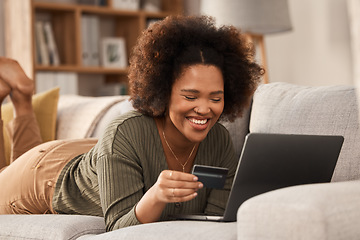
point(37, 46)
point(126, 4)
point(46, 49)
point(93, 2)
point(85, 55)
point(51, 45)
point(90, 40)
point(94, 40)
point(66, 81)
point(41, 50)
point(88, 2)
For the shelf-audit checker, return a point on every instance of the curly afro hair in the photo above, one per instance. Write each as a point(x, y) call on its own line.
point(167, 47)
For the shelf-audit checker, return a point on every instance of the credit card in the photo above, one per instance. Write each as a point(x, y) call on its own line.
point(211, 177)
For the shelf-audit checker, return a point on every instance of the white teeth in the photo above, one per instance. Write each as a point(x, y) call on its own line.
point(200, 122)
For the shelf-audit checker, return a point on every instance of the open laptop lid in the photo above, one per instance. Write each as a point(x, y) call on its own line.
point(273, 161)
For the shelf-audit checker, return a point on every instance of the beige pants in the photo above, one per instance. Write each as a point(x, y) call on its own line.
point(27, 184)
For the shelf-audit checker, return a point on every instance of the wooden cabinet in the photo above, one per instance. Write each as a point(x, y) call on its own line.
point(65, 18)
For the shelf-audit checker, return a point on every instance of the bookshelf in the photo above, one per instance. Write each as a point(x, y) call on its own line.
point(66, 21)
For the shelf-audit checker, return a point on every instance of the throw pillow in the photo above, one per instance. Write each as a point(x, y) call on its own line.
point(45, 108)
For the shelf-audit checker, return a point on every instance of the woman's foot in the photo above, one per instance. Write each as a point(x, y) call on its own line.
point(22, 87)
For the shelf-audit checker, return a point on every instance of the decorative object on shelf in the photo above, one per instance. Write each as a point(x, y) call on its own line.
point(152, 5)
point(114, 52)
point(126, 4)
point(255, 17)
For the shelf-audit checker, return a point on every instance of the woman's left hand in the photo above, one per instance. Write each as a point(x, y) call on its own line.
point(171, 186)
point(174, 186)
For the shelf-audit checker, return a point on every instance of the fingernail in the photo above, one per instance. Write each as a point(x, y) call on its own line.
point(195, 178)
point(195, 194)
point(201, 185)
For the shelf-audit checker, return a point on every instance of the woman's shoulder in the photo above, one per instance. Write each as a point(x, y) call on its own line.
point(131, 117)
point(127, 128)
point(131, 123)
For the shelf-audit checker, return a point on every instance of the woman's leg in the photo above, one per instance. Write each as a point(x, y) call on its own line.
point(28, 184)
point(24, 131)
point(24, 134)
point(4, 91)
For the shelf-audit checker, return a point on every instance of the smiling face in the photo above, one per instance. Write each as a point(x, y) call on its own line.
point(196, 103)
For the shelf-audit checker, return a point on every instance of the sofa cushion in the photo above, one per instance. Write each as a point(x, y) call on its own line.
point(238, 130)
point(174, 230)
point(114, 111)
point(49, 226)
point(327, 211)
point(330, 110)
point(45, 109)
point(79, 115)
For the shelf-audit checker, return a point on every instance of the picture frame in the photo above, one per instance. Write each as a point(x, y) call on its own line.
point(113, 51)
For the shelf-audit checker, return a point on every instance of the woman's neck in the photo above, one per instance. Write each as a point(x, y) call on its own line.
point(178, 142)
point(179, 151)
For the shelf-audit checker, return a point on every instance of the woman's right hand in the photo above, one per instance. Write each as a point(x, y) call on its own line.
point(171, 186)
point(174, 186)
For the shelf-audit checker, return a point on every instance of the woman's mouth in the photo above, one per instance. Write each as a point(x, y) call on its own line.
point(198, 124)
point(197, 121)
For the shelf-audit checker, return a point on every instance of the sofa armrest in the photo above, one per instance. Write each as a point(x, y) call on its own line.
point(316, 211)
point(49, 226)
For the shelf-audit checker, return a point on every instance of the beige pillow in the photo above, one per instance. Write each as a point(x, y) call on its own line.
point(45, 108)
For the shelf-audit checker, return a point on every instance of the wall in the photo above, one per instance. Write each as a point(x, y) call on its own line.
point(317, 51)
point(2, 37)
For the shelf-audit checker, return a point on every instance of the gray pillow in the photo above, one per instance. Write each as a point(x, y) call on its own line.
point(328, 110)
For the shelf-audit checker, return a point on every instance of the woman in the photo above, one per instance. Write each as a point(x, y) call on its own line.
point(185, 75)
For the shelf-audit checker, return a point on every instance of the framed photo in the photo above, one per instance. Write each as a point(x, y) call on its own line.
point(114, 52)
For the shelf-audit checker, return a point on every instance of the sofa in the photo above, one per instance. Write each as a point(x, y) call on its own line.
point(322, 211)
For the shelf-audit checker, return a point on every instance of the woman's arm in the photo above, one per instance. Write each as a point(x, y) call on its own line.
point(171, 186)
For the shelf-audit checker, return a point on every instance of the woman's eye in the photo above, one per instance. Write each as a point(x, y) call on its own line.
point(190, 97)
point(216, 99)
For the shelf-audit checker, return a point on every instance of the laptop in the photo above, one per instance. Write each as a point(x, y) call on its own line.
point(273, 161)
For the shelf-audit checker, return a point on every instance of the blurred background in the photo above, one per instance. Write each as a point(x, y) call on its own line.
point(316, 51)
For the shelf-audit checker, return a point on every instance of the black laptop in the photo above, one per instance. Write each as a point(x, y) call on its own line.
point(273, 161)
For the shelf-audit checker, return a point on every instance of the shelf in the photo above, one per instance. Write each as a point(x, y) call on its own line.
point(102, 10)
point(66, 20)
point(77, 69)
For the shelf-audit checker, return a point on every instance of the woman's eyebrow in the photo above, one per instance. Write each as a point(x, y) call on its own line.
point(190, 90)
point(197, 91)
point(217, 92)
